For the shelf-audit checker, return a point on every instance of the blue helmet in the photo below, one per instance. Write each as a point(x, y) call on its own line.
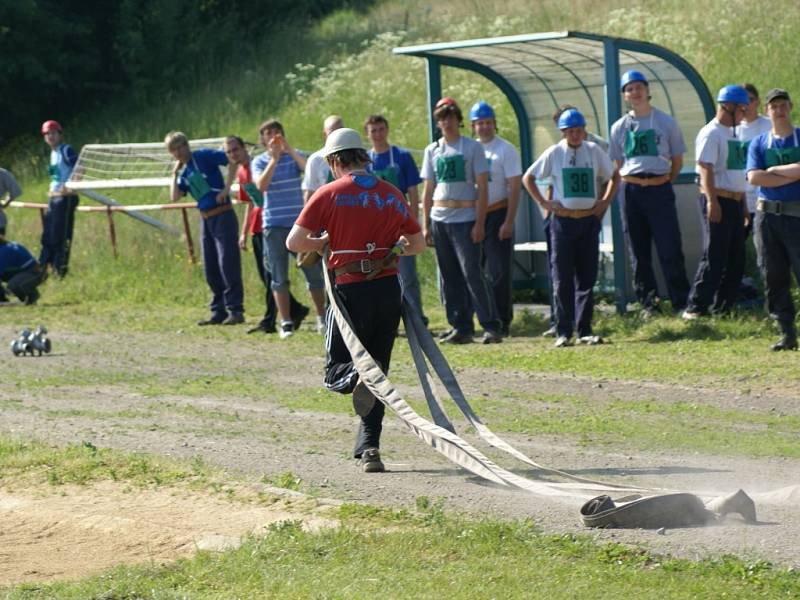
point(733, 93)
point(481, 110)
point(571, 117)
point(630, 77)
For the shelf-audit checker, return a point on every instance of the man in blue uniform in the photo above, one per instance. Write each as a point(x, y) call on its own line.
point(20, 270)
point(198, 173)
point(396, 165)
point(647, 146)
point(59, 220)
point(773, 164)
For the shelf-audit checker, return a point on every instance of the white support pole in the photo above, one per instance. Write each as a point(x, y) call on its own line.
point(143, 218)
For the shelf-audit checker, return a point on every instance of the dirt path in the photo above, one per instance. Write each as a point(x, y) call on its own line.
point(266, 436)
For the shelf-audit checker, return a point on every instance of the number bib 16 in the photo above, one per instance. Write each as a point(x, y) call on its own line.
point(450, 169)
point(578, 182)
point(640, 143)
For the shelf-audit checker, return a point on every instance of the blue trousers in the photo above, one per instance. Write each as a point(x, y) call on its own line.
point(777, 240)
point(271, 313)
point(716, 284)
point(59, 223)
point(650, 216)
point(374, 309)
point(575, 254)
point(222, 264)
point(463, 283)
point(496, 264)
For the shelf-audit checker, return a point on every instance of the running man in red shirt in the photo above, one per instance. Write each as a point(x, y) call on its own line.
point(363, 218)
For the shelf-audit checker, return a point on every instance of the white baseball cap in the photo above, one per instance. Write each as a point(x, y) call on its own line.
point(342, 139)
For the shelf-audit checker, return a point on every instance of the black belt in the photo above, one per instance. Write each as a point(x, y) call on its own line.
point(776, 207)
point(646, 175)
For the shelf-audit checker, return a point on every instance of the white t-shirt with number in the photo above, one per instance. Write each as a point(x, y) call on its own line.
point(585, 168)
point(504, 162)
point(716, 145)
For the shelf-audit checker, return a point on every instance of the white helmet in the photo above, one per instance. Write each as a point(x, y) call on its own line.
point(342, 139)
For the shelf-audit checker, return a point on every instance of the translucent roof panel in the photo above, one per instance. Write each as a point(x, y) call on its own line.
point(549, 69)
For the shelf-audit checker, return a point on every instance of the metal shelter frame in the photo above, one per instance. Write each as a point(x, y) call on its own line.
point(534, 60)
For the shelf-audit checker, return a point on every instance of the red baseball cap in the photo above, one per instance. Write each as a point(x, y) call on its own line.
point(50, 126)
point(446, 101)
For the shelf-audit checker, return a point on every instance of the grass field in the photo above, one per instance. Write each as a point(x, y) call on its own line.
point(152, 291)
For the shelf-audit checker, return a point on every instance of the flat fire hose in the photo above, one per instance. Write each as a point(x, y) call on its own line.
point(634, 507)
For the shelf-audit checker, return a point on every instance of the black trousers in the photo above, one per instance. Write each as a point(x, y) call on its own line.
point(496, 264)
point(374, 309)
point(716, 284)
point(58, 226)
point(777, 240)
point(650, 216)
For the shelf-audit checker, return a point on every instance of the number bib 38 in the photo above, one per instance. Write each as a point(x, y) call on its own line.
point(578, 182)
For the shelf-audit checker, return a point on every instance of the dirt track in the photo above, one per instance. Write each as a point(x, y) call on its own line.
point(258, 436)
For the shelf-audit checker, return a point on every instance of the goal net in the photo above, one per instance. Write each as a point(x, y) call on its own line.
point(120, 166)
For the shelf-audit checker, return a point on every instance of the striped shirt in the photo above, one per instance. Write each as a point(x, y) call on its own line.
point(283, 199)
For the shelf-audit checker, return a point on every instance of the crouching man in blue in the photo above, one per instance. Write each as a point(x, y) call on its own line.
point(198, 173)
point(773, 164)
point(720, 157)
point(577, 167)
point(19, 269)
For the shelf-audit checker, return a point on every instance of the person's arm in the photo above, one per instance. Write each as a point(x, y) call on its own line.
point(298, 158)
point(230, 175)
point(175, 191)
point(529, 181)
point(791, 171)
point(301, 239)
point(479, 229)
point(507, 228)
point(708, 188)
point(427, 205)
point(608, 196)
point(243, 235)
point(763, 178)
point(412, 195)
point(413, 243)
point(677, 164)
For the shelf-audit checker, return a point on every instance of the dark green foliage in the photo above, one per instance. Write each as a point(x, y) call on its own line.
point(61, 57)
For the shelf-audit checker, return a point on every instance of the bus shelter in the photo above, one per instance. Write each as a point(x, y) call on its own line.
point(537, 73)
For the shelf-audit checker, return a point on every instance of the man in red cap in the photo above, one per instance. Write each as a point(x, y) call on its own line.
point(59, 220)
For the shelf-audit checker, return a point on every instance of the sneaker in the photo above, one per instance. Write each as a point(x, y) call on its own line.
point(234, 319)
point(287, 330)
point(691, 315)
point(563, 341)
point(491, 337)
point(456, 337)
point(363, 400)
point(550, 332)
point(446, 334)
point(211, 321)
point(590, 340)
point(299, 315)
point(320, 326)
point(371, 461)
point(787, 342)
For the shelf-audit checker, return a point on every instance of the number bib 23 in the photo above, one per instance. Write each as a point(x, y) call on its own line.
point(578, 182)
point(640, 143)
point(450, 169)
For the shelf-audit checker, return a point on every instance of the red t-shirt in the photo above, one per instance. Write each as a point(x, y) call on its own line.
point(244, 175)
point(359, 212)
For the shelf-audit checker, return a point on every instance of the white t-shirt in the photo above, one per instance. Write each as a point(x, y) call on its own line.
point(454, 167)
point(576, 173)
point(716, 145)
point(646, 144)
point(747, 132)
point(317, 172)
point(504, 162)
